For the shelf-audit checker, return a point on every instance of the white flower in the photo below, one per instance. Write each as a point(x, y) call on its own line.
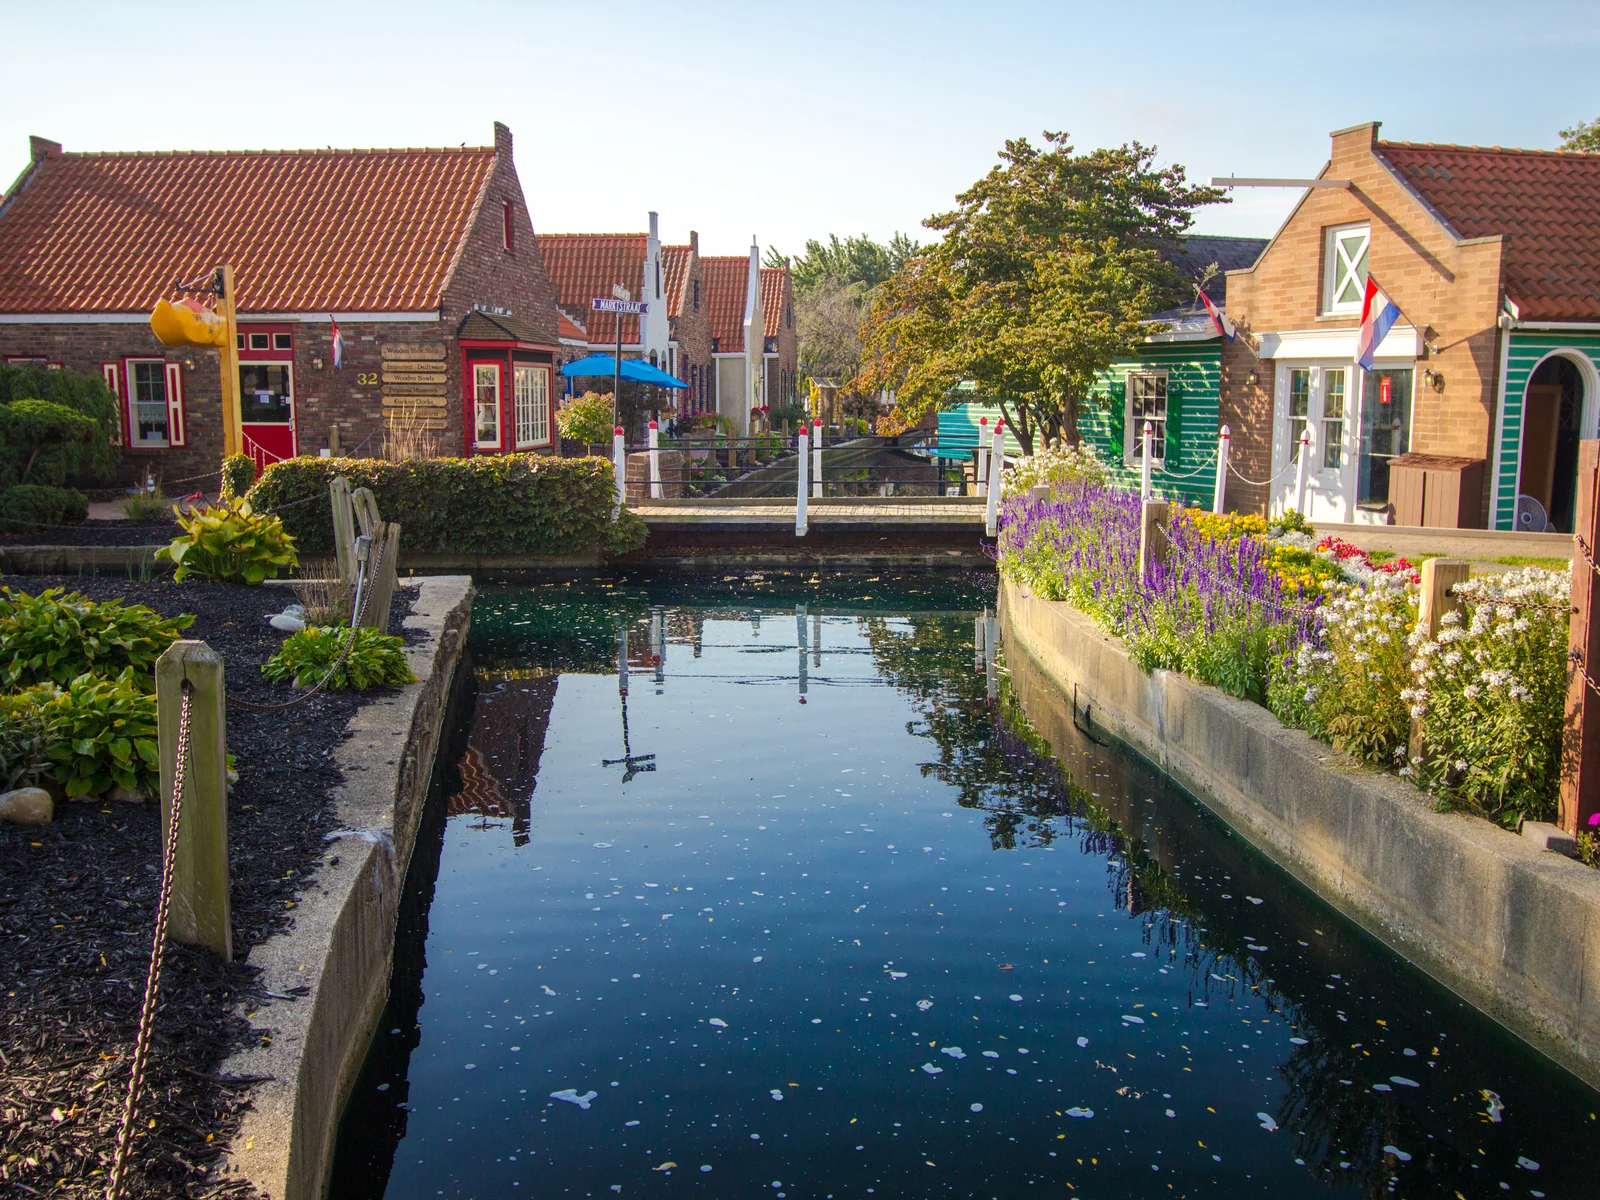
point(1471, 691)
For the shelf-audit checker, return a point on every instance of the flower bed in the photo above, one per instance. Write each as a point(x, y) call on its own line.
point(1322, 635)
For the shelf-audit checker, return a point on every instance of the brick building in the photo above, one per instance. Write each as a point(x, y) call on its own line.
point(424, 258)
point(1490, 256)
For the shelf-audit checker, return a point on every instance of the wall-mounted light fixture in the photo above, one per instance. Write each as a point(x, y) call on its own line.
point(1433, 379)
point(1252, 379)
point(317, 363)
point(188, 364)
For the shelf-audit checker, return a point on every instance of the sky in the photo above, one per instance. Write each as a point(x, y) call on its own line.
point(793, 121)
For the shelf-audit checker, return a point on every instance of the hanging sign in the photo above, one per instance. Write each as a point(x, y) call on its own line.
point(1385, 390)
point(601, 304)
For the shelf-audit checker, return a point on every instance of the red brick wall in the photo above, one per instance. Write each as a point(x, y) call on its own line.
point(691, 328)
point(1448, 289)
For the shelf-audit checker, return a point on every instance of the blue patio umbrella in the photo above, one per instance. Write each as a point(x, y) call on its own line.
point(632, 368)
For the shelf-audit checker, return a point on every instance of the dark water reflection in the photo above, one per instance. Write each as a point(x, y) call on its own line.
point(813, 855)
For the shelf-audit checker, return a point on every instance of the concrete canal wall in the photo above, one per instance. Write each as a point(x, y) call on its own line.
point(330, 972)
point(1513, 929)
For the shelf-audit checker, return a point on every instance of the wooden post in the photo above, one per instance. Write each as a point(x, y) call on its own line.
point(1153, 546)
point(365, 505)
point(344, 528)
point(1580, 756)
point(1439, 578)
point(232, 427)
point(382, 581)
point(201, 914)
point(334, 448)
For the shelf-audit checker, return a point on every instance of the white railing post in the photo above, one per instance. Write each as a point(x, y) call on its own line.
point(1147, 447)
point(816, 459)
point(983, 456)
point(1219, 496)
point(997, 466)
point(801, 461)
point(1301, 469)
point(619, 465)
point(655, 462)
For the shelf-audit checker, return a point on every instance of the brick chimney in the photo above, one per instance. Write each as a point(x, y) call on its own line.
point(502, 140)
point(1355, 143)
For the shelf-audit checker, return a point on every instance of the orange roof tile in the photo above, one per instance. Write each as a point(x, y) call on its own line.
point(675, 267)
point(727, 280)
point(305, 230)
point(1545, 202)
point(570, 329)
point(772, 296)
point(585, 265)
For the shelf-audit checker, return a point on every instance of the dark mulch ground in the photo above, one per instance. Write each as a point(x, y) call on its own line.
point(93, 533)
point(77, 902)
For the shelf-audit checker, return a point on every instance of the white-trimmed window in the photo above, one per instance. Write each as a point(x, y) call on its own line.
point(531, 391)
point(486, 405)
point(1344, 272)
point(1299, 408)
point(1333, 409)
point(1147, 401)
point(148, 411)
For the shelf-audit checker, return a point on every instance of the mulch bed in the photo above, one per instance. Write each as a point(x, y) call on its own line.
point(77, 904)
point(93, 533)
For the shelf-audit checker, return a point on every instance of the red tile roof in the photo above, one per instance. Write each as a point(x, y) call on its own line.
point(772, 297)
point(585, 265)
point(305, 230)
point(727, 279)
point(675, 268)
point(1546, 203)
point(568, 328)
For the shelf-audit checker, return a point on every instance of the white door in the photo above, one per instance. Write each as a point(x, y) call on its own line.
point(1318, 400)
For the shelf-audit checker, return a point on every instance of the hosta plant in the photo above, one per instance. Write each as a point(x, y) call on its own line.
point(102, 734)
point(375, 660)
point(57, 636)
point(230, 543)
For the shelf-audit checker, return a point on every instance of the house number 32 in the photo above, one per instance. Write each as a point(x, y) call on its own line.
point(367, 379)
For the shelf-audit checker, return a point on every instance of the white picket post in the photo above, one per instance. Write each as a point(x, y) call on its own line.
point(1301, 469)
point(655, 462)
point(619, 465)
point(1147, 447)
point(1219, 496)
point(801, 462)
point(983, 456)
point(997, 463)
point(816, 459)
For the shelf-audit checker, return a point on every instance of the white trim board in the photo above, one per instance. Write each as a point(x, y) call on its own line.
point(1403, 341)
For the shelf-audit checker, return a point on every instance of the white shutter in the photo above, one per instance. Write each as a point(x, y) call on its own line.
point(175, 430)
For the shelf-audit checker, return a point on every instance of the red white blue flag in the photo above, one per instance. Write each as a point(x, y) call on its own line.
point(1218, 317)
point(1378, 315)
point(338, 344)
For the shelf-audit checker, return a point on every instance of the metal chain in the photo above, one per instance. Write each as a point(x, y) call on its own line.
point(363, 598)
point(152, 985)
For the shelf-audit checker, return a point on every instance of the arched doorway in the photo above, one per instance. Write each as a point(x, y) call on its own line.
point(1553, 423)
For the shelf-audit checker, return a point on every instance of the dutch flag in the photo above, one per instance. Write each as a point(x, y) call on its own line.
point(338, 344)
point(1218, 317)
point(1378, 315)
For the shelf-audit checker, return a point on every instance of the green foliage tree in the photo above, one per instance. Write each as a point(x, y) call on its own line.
point(1048, 271)
point(45, 446)
point(1582, 138)
point(586, 418)
point(852, 259)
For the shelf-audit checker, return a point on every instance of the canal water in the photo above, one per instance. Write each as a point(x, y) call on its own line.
point(766, 886)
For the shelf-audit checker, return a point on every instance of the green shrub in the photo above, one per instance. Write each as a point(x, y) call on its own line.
point(145, 506)
point(43, 459)
point(238, 474)
point(375, 660)
point(792, 413)
point(25, 738)
point(589, 418)
point(230, 543)
point(103, 735)
point(32, 507)
point(54, 637)
point(492, 504)
point(626, 534)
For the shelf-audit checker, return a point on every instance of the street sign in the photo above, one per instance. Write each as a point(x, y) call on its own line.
point(600, 304)
point(619, 292)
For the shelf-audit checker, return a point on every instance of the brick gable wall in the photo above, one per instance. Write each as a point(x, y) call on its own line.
point(691, 329)
point(1446, 288)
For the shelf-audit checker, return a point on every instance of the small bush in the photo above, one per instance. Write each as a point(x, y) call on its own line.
point(626, 534)
point(230, 543)
point(589, 418)
point(375, 660)
point(102, 734)
point(238, 475)
point(147, 506)
point(792, 413)
point(32, 507)
point(492, 504)
point(54, 637)
point(51, 447)
point(25, 738)
point(1055, 466)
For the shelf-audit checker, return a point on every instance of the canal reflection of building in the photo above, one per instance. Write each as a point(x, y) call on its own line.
point(500, 765)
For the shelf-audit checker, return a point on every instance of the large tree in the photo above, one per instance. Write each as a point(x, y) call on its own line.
point(1047, 272)
point(853, 259)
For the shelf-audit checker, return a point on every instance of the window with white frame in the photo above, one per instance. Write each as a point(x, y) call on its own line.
point(531, 392)
point(147, 401)
point(486, 404)
point(1344, 274)
point(1147, 401)
point(1299, 408)
point(1333, 418)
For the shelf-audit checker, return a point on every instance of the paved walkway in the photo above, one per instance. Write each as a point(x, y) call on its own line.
point(1482, 546)
point(910, 512)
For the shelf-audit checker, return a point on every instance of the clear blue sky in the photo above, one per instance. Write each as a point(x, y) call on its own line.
point(792, 121)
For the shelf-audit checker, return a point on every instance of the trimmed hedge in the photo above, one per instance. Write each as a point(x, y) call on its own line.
point(33, 507)
point(494, 504)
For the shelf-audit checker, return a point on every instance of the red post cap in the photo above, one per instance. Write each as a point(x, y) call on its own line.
point(617, 431)
point(652, 424)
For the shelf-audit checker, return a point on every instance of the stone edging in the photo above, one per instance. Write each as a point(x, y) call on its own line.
point(342, 942)
point(1513, 929)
